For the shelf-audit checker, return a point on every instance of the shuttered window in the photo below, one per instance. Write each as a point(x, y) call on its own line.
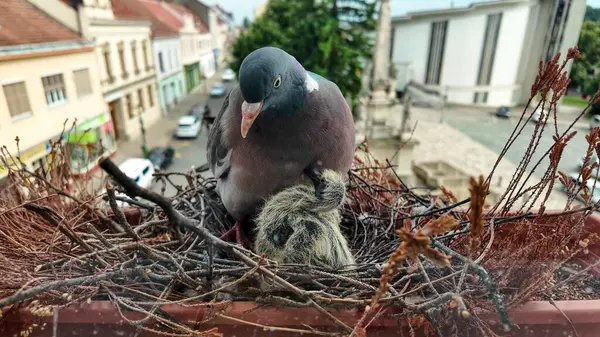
point(82, 82)
point(16, 98)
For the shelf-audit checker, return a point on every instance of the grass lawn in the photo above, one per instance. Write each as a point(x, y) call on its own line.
point(575, 101)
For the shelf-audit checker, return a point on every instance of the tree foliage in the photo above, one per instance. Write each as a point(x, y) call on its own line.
point(585, 67)
point(592, 14)
point(329, 37)
point(246, 22)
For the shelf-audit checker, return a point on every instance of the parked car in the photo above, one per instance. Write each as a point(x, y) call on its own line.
point(188, 126)
point(199, 110)
point(161, 156)
point(228, 75)
point(217, 90)
point(594, 121)
point(139, 169)
point(503, 111)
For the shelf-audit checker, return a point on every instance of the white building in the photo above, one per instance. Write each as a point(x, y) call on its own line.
point(196, 41)
point(487, 53)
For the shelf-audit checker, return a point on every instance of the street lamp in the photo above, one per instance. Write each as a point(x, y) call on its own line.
point(143, 131)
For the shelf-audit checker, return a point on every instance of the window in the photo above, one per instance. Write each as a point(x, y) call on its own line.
point(150, 97)
point(83, 85)
point(141, 99)
point(129, 106)
point(54, 87)
point(437, 42)
point(145, 53)
point(122, 60)
point(17, 99)
point(136, 68)
point(488, 52)
point(106, 54)
point(160, 62)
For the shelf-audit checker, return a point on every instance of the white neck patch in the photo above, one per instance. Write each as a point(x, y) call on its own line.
point(310, 83)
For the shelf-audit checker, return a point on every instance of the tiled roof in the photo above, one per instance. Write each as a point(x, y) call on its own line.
point(164, 23)
point(23, 23)
point(184, 10)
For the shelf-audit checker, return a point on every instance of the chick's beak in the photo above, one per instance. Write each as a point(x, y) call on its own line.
point(249, 113)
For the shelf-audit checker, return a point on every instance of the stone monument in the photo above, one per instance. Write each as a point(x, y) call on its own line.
point(380, 105)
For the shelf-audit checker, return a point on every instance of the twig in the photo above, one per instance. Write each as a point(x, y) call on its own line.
point(110, 192)
point(55, 285)
point(176, 220)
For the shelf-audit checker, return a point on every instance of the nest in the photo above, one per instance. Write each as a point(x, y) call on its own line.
point(434, 262)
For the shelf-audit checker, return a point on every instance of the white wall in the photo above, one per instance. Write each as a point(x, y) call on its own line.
point(170, 48)
point(508, 55)
point(462, 53)
point(411, 44)
point(460, 67)
point(207, 65)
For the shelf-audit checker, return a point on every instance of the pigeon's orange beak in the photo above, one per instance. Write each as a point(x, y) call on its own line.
point(249, 113)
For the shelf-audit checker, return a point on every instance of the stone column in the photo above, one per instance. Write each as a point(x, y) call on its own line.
point(380, 105)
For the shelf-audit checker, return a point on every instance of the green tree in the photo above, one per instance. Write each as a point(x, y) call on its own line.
point(246, 22)
point(592, 14)
point(585, 67)
point(329, 37)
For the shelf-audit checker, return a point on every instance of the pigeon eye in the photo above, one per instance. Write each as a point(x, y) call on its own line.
point(277, 82)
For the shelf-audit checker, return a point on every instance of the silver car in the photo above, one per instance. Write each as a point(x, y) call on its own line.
point(217, 90)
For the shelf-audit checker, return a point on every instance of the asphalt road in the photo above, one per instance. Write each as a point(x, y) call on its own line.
point(493, 132)
point(191, 152)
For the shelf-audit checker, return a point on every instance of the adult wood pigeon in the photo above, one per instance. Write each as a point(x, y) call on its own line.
point(280, 126)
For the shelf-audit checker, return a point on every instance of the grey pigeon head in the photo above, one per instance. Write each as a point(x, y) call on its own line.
point(272, 85)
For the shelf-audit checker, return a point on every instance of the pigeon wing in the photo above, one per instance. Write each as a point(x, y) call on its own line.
point(217, 149)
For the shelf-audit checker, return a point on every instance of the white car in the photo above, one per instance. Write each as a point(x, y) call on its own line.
point(138, 169)
point(188, 126)
point(595, 121)
point(228, 75)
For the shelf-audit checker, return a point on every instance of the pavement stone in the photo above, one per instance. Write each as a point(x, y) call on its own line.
point(442, 142)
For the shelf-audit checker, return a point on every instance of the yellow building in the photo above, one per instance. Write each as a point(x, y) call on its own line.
point(49, 75)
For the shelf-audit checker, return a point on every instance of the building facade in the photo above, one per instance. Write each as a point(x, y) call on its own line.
point(484, 54)
point(167, 51)
point(49, 76)
point(218, 23)
point(195, 45)
point(123, 51)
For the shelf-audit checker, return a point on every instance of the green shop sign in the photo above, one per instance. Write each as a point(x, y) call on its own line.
point(81, 136)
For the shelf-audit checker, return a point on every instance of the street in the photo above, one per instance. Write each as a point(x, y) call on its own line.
point(494, 133)
point(484, 127)
point(191, 152)
point(188, 152)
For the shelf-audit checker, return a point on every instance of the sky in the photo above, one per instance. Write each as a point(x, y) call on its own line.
point(243, 8)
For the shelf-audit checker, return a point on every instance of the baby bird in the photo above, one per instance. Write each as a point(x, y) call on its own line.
point(295, 226)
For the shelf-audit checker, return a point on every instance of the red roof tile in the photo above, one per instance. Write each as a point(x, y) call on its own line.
point(164, 23)
point(184, 10)
point(23, 23)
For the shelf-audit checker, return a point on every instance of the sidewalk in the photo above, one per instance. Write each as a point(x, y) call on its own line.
point(443, 142)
